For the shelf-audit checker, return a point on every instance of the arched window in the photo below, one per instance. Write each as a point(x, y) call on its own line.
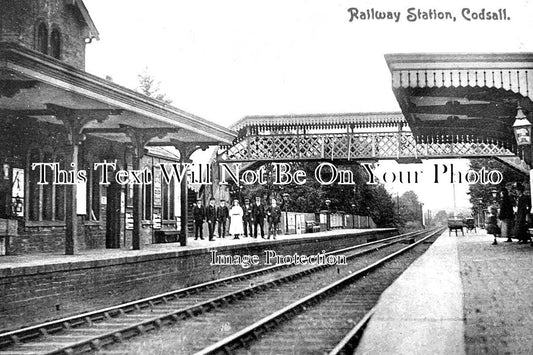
point(45, 202)
point(55, 44)
point(42, 38)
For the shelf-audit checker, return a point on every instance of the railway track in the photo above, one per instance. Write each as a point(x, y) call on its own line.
point(96, 330)
point(328, 321)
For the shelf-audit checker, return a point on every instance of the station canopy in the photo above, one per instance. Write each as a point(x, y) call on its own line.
point(462, 96)
point(37, 86)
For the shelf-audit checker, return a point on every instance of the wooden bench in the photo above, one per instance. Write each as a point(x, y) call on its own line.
point(311, 227)
point(166, 236)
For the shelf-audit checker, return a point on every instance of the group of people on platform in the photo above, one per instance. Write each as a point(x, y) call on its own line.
point(511, 223)
point(245, 220)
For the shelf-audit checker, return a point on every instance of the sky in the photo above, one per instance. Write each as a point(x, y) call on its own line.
point(223, 60)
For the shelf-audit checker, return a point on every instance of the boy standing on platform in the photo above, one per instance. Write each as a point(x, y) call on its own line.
point(247, 218)
point(198, 214)
point(222, 217)
point(211, 216)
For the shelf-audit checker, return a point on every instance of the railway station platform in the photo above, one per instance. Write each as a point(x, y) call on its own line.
point(43, 259)
point(41, 287)
point(463, 296)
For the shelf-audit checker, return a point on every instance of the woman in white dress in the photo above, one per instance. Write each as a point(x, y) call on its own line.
point(235, 226)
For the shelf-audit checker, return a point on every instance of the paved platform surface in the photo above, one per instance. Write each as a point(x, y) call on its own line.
point(463, 296)
point(14, 261)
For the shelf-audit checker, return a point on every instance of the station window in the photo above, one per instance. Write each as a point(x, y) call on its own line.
point(93, 196)
point(60, 202)
point(168, 201)
point(147, 198)
point(45, 202)
point(48, 191)
point(55, 44)
point(42, 38)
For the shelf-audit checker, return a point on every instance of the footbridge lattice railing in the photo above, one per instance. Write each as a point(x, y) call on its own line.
point(360, 146)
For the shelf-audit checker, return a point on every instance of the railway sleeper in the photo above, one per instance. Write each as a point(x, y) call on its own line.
point(96, 345)
point(89, 321)
point(117, 337)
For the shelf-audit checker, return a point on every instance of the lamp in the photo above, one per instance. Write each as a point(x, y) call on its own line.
point(522, 128)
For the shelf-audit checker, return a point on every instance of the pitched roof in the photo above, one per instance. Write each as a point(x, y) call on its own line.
point(361, 119)
point(93, 32)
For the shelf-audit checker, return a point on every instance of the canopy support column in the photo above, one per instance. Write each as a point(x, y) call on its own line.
point(74, 121)
point(139, 138)
point(186, 150)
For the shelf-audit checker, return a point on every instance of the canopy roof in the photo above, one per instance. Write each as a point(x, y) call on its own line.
point(31, 83)
point(462, 93)
point(323, 121)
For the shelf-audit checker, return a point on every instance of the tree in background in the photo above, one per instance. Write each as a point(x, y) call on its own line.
point(481, 195)
point(360, 198)
point(150, 87)
point(441, 218)
point(410, 211)
point(382, 206)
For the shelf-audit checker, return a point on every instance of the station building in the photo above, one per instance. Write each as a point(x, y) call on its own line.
point(52, 111)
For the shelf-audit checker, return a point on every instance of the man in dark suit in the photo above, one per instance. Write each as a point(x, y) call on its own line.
point(258, 217)
point(523, 207)
point(247, 218)
point(274, 217)
point(211, 217)
point(222, 218)
point(198, 214)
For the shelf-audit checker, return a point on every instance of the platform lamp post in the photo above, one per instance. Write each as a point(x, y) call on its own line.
point(285, 203)
point(368, 217)
point(522, 132)
point(328, 220)
point(494, 193)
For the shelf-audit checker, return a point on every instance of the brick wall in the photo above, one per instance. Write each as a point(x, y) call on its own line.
point(34, 294)
point(20, 18)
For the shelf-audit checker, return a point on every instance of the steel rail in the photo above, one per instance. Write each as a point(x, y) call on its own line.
point(141, 327)
point(252, 332)
point(97, 342)
point(18, 335)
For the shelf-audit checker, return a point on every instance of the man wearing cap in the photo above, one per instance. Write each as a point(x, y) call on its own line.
point(198, 214)
point(258, 217)
point(222, 217)
point(247, 218)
